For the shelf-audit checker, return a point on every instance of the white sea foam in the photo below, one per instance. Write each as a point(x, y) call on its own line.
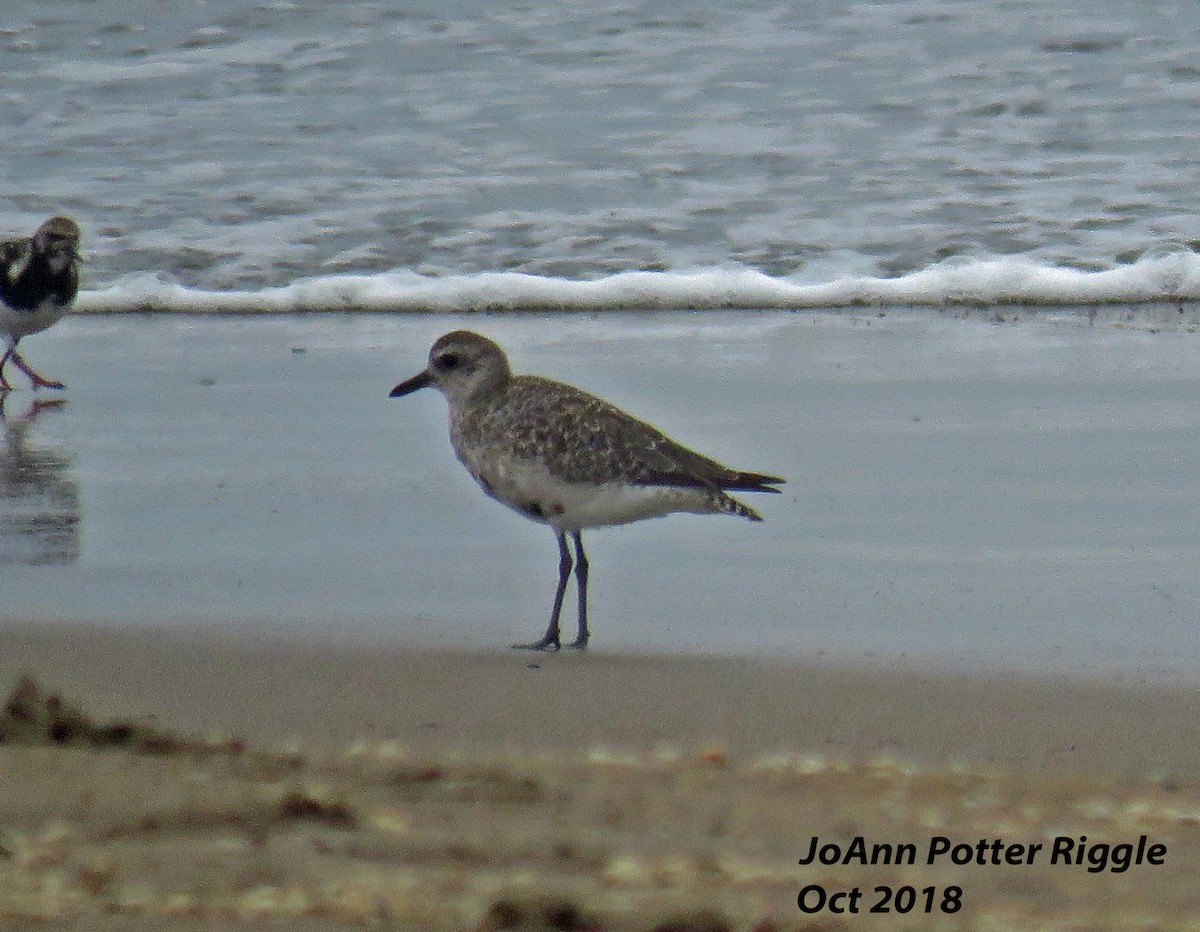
point(1167, 275)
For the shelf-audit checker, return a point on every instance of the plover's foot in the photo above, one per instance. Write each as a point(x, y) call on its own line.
point(546, 645)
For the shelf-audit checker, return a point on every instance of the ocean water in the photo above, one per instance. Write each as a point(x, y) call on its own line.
point(280, 156)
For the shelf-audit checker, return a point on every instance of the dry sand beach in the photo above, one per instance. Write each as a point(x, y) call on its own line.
point(186, 780)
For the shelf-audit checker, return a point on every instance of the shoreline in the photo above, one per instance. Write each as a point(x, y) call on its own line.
point(265, 690)
point(1153, 314)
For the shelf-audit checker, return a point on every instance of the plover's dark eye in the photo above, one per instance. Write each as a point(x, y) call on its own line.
point(447, 361)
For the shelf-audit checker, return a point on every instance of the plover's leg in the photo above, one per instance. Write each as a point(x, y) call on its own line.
point(550, 640)
point(37, 380)
point(581, 576)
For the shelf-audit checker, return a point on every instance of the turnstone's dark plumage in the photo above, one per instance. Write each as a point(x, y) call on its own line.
point(568, 459)
point(39, 277)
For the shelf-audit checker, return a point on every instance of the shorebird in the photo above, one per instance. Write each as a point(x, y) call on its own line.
point(568, 459)
point(39, 276)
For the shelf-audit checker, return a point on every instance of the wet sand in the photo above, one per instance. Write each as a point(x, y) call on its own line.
point(311, 786)
point(970, 494)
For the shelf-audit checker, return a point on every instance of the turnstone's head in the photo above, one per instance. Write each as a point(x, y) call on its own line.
point(461, 364)
point(58, 240)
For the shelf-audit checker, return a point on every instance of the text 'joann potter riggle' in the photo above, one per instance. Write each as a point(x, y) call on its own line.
point(1062, 850)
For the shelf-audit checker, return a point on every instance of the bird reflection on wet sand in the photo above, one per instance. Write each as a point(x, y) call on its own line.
point(40, 512)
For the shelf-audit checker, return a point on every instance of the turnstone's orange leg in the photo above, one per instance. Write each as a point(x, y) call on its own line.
point(37, 380)
point(4, 384)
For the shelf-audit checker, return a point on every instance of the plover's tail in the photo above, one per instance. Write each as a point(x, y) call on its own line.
point(727, 504)
point(733, 480)
point(736, 481)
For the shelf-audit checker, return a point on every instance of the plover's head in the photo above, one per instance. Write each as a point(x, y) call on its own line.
point(461, 364)
point(58, 240)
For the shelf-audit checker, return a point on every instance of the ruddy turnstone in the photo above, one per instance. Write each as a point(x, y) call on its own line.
point(39, 277)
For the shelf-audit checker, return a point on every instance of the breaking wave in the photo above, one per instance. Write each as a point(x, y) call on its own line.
point(1168, 275)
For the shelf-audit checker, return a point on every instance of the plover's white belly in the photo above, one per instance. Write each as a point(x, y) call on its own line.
point(529, 488)
point(16, 323)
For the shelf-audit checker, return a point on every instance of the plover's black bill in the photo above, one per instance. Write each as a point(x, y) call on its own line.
point(408, 386)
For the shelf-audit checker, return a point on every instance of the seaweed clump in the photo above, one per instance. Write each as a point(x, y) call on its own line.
point(33, 716)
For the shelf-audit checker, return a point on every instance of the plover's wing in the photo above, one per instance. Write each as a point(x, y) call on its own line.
point(666, 462)
point(597, 439)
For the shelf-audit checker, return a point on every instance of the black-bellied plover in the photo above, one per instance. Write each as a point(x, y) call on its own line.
point(39, 277)
point(568, 459)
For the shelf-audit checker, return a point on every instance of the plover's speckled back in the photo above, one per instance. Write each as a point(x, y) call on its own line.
point(568, 459)
point(39, 277)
